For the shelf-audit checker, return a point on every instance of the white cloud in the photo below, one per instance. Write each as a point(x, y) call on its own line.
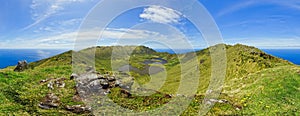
point(237, 7)
point(43, 54)
point(161, 15)
point(43, 9)
point(110, 36)
point(292, 4)
point(59, 26)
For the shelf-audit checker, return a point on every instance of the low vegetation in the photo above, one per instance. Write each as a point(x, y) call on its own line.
point(256, 83)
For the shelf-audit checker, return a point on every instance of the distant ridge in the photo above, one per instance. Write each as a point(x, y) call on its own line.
point(234, 54)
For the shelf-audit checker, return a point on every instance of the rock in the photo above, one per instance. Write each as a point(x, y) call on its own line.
point(104, 84)
point(22, 65)
point(50, 85)
point(89, 69)
point(79, 109)
point(117, 83)
point(90, 83)
point(77, 98)
point(209, 91)
point(73, 76)
point(202, 61)
point(168, 96)
point(237, 108)
point(111, 78)
point(125, 92)
point(223, 101)
point(94, 86)
point(46, 80)
point(49, 101)
point(100, 77)
point(60, 82)
point(211, 101)
point(111, 84)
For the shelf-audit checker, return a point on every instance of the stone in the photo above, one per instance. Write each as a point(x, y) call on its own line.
point(22, 65)
point(211, 101)
point(89, 69)
point(77, 98)
point(45, 80)
point(125, 92)
point(49, 101)
point(101, 77)
point(90, 83)
point(223, 101)
point(50, 85)
point(60, 82)
point(105, 85)
point(111, 78)
point(79, 109)
point(117, 83)
point(73, 76)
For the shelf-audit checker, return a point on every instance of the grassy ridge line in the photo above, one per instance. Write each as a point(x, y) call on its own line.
point(248, 69)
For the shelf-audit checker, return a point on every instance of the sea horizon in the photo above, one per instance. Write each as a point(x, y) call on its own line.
point(10, 57)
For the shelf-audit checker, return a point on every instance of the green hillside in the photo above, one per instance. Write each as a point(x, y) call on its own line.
point(256, 83)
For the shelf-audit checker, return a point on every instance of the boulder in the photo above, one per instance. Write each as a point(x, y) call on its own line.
point(22, 65)
point(49, 101)
point(90, 83)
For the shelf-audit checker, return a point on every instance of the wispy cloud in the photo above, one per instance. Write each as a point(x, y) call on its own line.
point(161, 15)
point(67, 40)
point(110, 36)
point(59, 26)
point(291, 4)
point(43, 54)
point(43, 9)
point(237, 7)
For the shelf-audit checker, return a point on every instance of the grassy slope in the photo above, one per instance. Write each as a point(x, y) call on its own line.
point(257, 82)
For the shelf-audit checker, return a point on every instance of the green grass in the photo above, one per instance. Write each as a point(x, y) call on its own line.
point(256, 82)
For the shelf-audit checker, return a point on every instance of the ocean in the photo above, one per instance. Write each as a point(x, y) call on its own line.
point(292, 55)
point(10, 57)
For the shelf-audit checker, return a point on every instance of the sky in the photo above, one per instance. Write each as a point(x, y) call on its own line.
point(55, 24)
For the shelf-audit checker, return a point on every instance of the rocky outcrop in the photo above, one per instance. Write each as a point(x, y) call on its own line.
point(88, 84)
point(59, 82)
point(49, 101)
point(22, 65)
point(94, 83)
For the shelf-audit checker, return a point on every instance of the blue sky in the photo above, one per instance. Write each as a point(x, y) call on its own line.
point(54, 24)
